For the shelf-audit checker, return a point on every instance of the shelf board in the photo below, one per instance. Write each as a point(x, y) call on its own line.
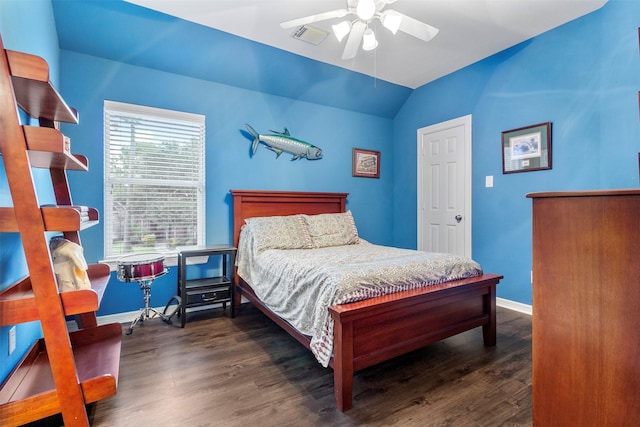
point(47, 150)
point(52, 160)
point(56, 218)
point(207, 282)
point(34, 92)
point(18, 303)
point(30, 394)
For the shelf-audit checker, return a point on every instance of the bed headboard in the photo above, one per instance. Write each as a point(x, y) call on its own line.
point(252, 203)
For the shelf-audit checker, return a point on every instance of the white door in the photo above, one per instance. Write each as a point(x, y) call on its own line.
point(444, 187)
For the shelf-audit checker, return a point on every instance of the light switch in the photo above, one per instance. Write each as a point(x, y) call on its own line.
point(12, 339)
point(488, 181)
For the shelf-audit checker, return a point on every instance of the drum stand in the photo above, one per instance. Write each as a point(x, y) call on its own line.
point(147, 312)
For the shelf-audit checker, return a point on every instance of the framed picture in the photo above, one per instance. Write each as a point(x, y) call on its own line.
point(527, 149)
point(366, 163)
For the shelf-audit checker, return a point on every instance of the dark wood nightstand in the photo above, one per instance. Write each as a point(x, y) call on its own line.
point(204, 291)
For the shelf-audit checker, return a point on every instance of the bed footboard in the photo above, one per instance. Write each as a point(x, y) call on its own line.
point(372, 331)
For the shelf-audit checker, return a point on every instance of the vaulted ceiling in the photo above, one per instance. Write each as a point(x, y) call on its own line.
point(470, 30)
point(240, 43)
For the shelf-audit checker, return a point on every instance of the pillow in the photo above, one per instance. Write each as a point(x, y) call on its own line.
point(69, 265)
point(332, 229)
point(279, 232)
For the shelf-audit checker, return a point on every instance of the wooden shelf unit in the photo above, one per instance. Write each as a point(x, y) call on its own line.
point(63, 371)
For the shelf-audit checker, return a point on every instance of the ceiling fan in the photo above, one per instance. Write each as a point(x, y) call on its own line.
point(358, 29)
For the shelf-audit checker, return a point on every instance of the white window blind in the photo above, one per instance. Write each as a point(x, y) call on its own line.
point(154, 179)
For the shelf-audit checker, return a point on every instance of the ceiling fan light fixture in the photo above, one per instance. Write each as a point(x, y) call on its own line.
point(341, 29)
point(356, 28)
point(365, 9)
point(369, 41)
point(391, 21)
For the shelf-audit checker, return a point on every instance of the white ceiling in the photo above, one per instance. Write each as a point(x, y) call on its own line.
point(470, 30)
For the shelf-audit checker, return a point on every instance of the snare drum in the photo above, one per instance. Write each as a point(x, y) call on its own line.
point(138, 267)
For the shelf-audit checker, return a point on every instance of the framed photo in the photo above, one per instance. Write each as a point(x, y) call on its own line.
point(527, 149)
point(366, 163)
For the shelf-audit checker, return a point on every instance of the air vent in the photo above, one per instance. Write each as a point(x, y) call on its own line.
point(310, 34)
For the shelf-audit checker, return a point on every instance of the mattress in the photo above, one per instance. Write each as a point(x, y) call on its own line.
point(300, 284)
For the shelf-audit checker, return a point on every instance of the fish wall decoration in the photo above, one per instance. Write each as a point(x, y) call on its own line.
point(280, 142)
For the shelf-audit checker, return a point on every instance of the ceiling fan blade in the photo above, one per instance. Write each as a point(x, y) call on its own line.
point(339, 13)
point(353, 42)
point(415, 28)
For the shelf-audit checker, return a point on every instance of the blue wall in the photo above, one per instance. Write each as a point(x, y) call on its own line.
point(584, 77)
point(126, 33)
point(87, 81)
point(26, 27)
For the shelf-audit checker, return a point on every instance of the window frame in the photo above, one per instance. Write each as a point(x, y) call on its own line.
point(170, 116)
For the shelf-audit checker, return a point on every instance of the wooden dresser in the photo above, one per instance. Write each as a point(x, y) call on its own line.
point(586, 308)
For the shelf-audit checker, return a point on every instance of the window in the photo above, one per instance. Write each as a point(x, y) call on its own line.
point(154, 179)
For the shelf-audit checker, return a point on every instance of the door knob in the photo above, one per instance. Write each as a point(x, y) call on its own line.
point(458, 218)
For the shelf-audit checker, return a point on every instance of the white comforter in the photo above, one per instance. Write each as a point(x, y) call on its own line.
point(300, 284)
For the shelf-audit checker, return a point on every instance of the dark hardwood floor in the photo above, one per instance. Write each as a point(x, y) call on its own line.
point(246, 371)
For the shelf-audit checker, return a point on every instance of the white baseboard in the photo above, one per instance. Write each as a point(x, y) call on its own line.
point(122, 317)
point(513, 305)
point(127, 317)
point(131, 315)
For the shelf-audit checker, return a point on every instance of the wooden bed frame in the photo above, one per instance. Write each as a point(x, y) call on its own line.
point(372, 331)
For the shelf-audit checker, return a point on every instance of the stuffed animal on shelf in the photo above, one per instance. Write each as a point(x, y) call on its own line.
point(69, 265)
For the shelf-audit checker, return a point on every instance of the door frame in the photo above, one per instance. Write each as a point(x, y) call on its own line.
point(439, 127)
